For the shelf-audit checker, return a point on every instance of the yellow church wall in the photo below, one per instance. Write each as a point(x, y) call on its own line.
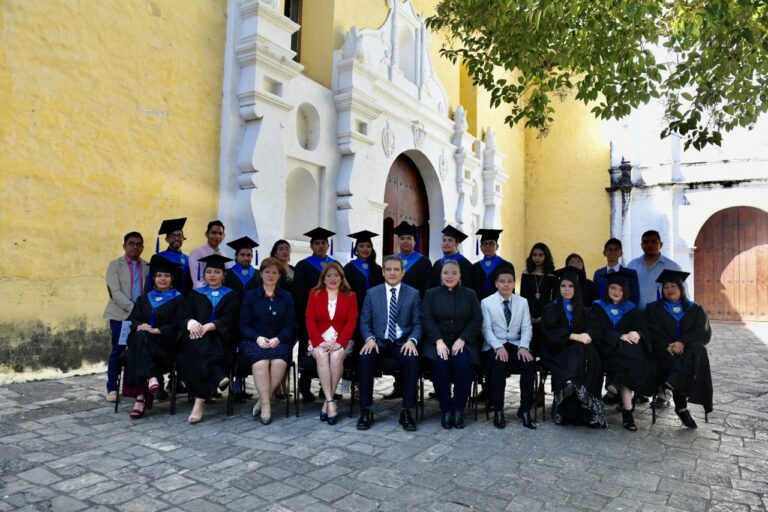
point(112, 111)
point(566, 173)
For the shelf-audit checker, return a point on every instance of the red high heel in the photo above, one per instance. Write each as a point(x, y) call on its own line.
point(154, 386)
point(137, 413)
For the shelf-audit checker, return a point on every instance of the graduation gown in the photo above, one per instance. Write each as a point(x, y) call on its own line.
point(482, 275)
point(182, 279)
point(688, 373)
point(418, 272)
point(202, 362)
point(449, 315)
point(574, 361)
point(626, 364)
point(360, 285)
point(286, 281)
point(152, 355)
point(241, 283)
point(546, 286)
point(467, 274)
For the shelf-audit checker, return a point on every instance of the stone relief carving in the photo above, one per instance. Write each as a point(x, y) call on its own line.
point(418, 133)
point(442, 162)
point(387, 140)
point(460, 118)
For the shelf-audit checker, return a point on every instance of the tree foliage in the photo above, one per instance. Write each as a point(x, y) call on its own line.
point(705, 60)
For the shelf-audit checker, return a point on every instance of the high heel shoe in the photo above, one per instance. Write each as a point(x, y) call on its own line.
point(628, 420)
point(137, 413)
point(192, 419)
point(256, 411)
point(332, 420)
point(323, 414)
point(266, 420)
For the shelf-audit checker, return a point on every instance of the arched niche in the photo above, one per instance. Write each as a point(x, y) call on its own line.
point(302, 203)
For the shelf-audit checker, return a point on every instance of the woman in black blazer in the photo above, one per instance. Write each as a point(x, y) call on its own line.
point(267, 326)
point(451, 321)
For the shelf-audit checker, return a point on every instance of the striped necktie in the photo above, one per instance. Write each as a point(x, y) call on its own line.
point(392, 323)
point(507, 312)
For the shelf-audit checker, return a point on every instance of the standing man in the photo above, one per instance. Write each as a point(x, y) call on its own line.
point(418, 269)
point(482, 271)
point(214, 235)
point(241, 276)
point(452, 237)
point(507, 333)
point(649, 267)
point(613, 252)
point(305, 277)
point(173, 229)
point(125, 284)
point(391, 326)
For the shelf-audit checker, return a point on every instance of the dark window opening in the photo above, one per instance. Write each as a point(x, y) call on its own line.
point(292, 10)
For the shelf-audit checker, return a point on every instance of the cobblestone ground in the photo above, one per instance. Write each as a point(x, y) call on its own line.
point(62, 448)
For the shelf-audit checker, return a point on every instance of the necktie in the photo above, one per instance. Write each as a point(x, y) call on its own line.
point(136, 283)
point(611, 271)
point(392, 323)
point(507, 312)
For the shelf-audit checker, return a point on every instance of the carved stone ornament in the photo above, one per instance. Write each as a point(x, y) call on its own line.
point(387, 140)
point(460, 118)
point(353, 46)
point(442, 164)
point(418, 134)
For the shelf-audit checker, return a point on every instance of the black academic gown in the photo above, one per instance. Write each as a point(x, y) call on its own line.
point(360, 286)
point(483, 280)
point(467, 274)
point(236, 284)
point(688, 373)
point(182, 279)
point(546, 286)
point(572, 361)
point(418, 275)
point(152, 355)
point(450, 315)
point(202, 363)
point(628, 365)
point(286, 281)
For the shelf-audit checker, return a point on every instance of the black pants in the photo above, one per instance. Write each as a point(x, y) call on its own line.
point(499, 371)
point(368, 364)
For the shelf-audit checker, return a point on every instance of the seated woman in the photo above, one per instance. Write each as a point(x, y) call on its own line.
point(680, 330)
point(577, 375)
point(451, 321)
point(331, 322)
point(267, 326)
point(622, 339)
point(208, 318)
point(154, 332)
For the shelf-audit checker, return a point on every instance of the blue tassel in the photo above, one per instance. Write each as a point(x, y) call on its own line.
point(198, 270)
point(256, 257)
point(157, 245)
point(416, 241)
point(331, 246)
point(352, 250)
point(477, 247)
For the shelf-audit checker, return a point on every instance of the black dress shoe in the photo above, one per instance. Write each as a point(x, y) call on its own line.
point(686, 418)
point(307, 397)
point(406, 420)
point(366, 420)
point(498, 419)
point(528, 421)
point(447, 421)
point(628, 420)
point(569, 389)
point(459, 422)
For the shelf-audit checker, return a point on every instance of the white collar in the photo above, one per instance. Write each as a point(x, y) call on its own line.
point(389, 287)
point(615, 269)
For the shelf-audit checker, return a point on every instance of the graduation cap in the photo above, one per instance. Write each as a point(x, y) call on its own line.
point(405, 229)
point(487, 234)
point(215, 261)
point(672, 276)
point(245, 243)
point(320, 234)
point(454, 233)
point(360, 236)
point(621, 277)
point(161, 264)
point(167, 227)
point(568, 273)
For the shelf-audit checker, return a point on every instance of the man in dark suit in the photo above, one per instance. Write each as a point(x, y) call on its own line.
point(612, 251)
point(390, 323)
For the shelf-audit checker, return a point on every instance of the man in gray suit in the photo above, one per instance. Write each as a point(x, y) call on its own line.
point(507, 332)
point(390, 323)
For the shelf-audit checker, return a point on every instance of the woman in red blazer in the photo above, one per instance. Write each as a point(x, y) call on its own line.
point(331, 322)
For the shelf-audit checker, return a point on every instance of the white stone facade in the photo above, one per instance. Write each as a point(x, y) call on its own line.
point(296, 155)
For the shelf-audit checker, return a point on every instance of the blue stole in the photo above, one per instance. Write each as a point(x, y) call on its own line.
point(616, 311)
point(365, 268)
point(489, 265)
point(317, 261)
point(409, 260)
point(455, 257)
point(245, 274)
point(181, 260)
point(214, 295)
point(676, 310)
point(568, 308)
point(157, 299)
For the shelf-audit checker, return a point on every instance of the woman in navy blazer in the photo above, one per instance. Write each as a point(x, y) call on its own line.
point(331, 321)
point(267, 324)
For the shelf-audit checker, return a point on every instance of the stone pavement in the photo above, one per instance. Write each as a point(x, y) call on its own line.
point(63, 449)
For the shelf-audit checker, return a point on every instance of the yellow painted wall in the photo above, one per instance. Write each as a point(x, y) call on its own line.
point(110, 122)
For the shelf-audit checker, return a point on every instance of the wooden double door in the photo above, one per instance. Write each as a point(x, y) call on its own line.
point(406, 199)
point(731, 265)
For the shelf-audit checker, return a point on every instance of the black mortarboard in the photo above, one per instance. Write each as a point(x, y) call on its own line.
point(454, 233)
point(160, 264)
point(568, 273)
point(621, 277)
point(319, 234)
point(672, 276)
point(489, 234)
point(242, 243)
point(171, 225)
point(405, 229)
point(363, 236)
point(215, 261)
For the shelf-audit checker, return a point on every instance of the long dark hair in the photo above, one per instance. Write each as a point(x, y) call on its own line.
point(683, 297)
point(273, 252)
point(549, 264)
point(625, 293)
point(583, 271)
point(372, 258)
point(579, 311)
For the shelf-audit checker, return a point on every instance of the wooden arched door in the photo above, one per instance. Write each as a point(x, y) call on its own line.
point(731, 265)
point(406, 199)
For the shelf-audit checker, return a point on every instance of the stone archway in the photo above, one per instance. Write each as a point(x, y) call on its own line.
point(731, 265)
point(406, 198)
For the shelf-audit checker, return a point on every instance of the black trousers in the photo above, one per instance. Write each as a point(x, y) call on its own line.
point(369, 363)
point(498, 372)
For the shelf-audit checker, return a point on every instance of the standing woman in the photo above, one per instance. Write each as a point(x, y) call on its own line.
point(577, 374)
point(537, 286)
point(589, 291)
point(282, 251)
point(267, 327)
point(152, 343)
point(680, 330)
point(451, 320)
point(208, 319)
point(363, 272)
point(331, 323)
point(622, 339)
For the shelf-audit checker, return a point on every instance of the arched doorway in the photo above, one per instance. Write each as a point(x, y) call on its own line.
point(406, 199)
point(731, 265)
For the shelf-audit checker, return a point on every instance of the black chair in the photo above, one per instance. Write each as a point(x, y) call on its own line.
point(307, 365)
